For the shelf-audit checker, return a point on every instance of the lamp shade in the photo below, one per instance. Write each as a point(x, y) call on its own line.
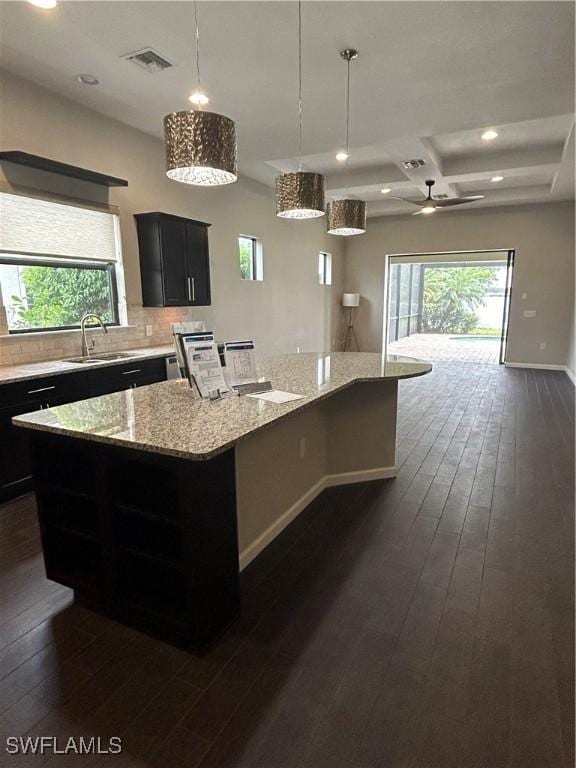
point(346, 217)
point(300, 195)
point(200, 148)
point(351, 300)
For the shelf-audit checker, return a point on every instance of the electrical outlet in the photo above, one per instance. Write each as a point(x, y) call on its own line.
point(542, 345)
point(302, 447)
point(148, 330)
point(297, 350)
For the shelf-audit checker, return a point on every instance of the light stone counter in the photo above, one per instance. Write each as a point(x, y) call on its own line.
point(167, 418)
point(10, 374)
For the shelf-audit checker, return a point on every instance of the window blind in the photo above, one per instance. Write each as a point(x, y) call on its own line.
point(32, 226)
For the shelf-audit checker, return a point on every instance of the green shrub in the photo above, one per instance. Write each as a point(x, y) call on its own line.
point(451, 294)
point(58, 297)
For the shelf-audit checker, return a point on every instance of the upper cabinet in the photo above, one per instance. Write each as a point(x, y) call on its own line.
point(174, 260)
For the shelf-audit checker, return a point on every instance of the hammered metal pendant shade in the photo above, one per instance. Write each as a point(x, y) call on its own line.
point(200, 148)
point(346, 217)
point(300, 195)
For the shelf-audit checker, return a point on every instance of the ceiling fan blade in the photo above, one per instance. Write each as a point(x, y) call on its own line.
point(417, 213)
point(403, 199)
point(457, 201)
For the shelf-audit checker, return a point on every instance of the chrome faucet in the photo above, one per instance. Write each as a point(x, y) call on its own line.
point(87, 316)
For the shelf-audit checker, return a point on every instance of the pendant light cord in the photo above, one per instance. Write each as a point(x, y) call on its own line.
point(299, 85)
point(347, 110)
point(197, 48)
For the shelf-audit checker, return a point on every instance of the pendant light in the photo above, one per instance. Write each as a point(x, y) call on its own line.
point(347, 217)
point(300, 195)
point(200, 145)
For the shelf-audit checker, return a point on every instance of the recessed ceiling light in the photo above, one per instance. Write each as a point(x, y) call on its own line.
point(496, 179)
point(386, 190)
point(198, 98)
point(490, 135)
point(342, 156)
point(46, 4)
point(87, 80)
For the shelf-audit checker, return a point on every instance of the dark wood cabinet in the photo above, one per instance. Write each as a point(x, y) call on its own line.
point(114, 378)
point(174, 260)
point(34, 394)
point(24, 397)
point(148, 540)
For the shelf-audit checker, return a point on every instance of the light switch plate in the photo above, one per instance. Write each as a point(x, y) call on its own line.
point(529, 313)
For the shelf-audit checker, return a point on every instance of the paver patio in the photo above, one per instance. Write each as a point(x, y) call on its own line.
point(444, 347)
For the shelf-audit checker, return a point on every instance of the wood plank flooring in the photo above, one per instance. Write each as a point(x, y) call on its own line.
point(422, 622)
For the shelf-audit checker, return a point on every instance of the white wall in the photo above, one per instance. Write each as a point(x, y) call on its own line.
point(543, 237)
point(289, 309)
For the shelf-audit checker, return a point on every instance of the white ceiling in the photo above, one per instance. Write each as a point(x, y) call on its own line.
point(430, 77)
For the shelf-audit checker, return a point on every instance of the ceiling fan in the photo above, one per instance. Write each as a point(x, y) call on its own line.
point(430, 204)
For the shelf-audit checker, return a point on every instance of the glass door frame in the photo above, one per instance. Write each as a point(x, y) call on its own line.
point(511, 253)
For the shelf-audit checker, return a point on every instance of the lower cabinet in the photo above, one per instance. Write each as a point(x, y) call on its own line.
point(24, 397)
point(34, 394)
point(115, 378)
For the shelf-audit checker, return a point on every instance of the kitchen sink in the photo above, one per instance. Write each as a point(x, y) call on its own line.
point(99, 358)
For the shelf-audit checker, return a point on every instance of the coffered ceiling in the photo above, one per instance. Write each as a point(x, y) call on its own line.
point(431, 77)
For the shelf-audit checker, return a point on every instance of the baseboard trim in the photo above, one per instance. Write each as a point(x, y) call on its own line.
point(360, 476)
point(545, 367)
point(328, 481)
point(542, 366)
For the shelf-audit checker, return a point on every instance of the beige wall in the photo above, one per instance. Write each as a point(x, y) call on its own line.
point(543, 237)
point(289, 309)
point(571, 358)
point(348, 437)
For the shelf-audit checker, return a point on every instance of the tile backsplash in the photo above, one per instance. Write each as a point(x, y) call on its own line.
point(23, 348)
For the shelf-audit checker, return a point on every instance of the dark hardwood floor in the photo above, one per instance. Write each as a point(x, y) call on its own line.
point(423, 622)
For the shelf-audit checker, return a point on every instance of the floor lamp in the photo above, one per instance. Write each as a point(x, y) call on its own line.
point(349, 301)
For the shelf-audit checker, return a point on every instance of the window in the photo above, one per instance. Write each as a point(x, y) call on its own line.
point(325, 268)
point(250, 252)
point(51, 294)
point(57, 262)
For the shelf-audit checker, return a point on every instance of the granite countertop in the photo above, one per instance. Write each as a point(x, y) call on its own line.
point(10, 374)
point(168, 418)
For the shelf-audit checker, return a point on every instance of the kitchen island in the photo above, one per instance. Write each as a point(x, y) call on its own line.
point(151, 500)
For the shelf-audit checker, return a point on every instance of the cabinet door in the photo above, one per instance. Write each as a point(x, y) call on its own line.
point(15, 472)
point(116, 378)
point(198, 264)
point(175, 277)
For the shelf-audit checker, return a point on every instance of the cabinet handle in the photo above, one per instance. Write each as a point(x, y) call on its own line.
point(189, 289)
point(193, 289)
point(134, 370)
point(41, 389)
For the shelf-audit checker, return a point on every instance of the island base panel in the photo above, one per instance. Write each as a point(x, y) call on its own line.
point(148, 540)
point(347, 438)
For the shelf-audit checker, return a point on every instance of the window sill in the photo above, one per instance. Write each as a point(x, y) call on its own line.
point(46, 334)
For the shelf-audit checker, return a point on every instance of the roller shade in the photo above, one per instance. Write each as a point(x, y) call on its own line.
point(446, 258)
point(32, 226)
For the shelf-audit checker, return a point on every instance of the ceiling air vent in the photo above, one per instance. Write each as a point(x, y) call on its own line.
point(149, 60)
point(408, 164)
